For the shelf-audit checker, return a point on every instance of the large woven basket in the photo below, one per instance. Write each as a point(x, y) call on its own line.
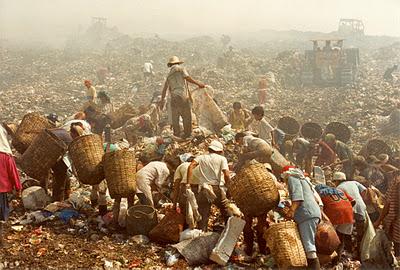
point(254, 190)
point(86, 153)
point(44, 152)
point(375, 147)
point(120, 172)
point(31, 125)
point(289, 125)
point(311, 130)
point(284, 241)
point(340, 130)
point(123, 114)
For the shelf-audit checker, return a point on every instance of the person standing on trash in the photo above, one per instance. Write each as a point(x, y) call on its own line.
point(213, 166)
point(176, 83)
point(338, 206)
point(152, 177)
point(91, 93)
point(262, 90)
point(390, 215)
point(9, 180)
point(239, 118)
point(261, 126)
point(106, 106)
point(148, 71)
point(343, 152)
point(304, 210)
point(356, 191)
point(254, 148)
point(388, 75)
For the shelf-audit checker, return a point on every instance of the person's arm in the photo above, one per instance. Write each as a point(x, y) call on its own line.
point(227, 178)
point(383, 214)
point(164, 93)
point(192, 165)
point(176, 186)
point(191, 80)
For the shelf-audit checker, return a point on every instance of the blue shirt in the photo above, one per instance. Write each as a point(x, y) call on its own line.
point(300, 190)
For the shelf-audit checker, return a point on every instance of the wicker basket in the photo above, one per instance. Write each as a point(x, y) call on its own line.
point(31, 125)
point(340, 130)
point(289, 125)
point(123, 114)
point(86, 153)
point(311, 130)
point(254, 190)
point(284, 241)
point(44, 152)
point(120, 172)
point(375, 147)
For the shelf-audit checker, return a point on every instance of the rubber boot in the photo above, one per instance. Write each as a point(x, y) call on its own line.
point(313, 264)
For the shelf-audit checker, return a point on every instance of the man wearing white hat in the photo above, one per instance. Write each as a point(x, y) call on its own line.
point(176, 83)
point(357, 191)
point(212, 167)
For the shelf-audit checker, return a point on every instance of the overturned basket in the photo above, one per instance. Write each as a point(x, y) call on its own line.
point(340, 130)
point(254, 190)
point(31, 125)
point(86, 153)
point(44, 152)
point(284, 241)
point(120, 172)
point(311, 130)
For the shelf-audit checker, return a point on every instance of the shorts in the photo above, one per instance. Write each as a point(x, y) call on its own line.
point(4, 207)
point(308, 230)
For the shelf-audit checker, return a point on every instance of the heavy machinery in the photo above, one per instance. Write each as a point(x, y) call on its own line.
point(330, 64)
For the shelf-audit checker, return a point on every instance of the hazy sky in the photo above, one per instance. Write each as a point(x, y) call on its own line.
point(60, 17)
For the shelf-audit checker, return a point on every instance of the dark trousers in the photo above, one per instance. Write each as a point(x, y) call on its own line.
point(205, 206)
point(181, 107)
point(61, 182)
point(248, 233)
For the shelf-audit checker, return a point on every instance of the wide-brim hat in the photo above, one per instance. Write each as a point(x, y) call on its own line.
point(216, 146)
point(339, 176)
point(174, 60)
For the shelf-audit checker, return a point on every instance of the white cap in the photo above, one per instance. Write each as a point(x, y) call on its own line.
point(216, 146)
point(339, 176)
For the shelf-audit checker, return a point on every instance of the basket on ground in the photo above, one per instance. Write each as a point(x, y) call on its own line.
point(44, 152)
point(31, 125)
point(284, 241)
point(340, 130)
point(86, 153)
point(141, 219)
point(311, 130)
point(254, 190)
point(120, 173)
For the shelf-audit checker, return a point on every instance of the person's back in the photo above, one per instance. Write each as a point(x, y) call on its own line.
point(176, 80)
point(354, 189)
point(210, 168)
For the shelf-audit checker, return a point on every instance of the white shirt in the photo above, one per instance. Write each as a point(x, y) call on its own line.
point(148, 67)
point(181, 173)
point(211, 167)
point(265, 130)
point(354, 189)
point(155, 172)
point(4, 144)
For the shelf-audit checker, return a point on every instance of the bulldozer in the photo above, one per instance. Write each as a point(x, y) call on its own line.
point(329, 64)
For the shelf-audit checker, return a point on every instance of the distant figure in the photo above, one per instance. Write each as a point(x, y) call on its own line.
point(262, 90)
point(148, 71)
point(102, 73)
point(239, 118)
point(388, 76)
point(91, 93)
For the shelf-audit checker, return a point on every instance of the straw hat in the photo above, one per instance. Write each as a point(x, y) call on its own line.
point(174, 60)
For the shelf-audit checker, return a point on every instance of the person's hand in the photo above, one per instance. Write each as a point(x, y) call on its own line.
point(376, 224)
point(202, 85)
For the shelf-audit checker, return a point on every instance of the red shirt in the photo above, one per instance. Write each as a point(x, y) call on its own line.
point(9, 177)
point(338, 208)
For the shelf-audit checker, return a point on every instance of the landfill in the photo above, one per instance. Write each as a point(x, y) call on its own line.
point(71, 234)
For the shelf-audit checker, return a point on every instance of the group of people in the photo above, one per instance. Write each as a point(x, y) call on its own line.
point(343, 201)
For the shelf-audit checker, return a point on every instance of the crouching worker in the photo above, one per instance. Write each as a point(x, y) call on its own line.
point(152, 177)
point(9, 179)
point(304, 210)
